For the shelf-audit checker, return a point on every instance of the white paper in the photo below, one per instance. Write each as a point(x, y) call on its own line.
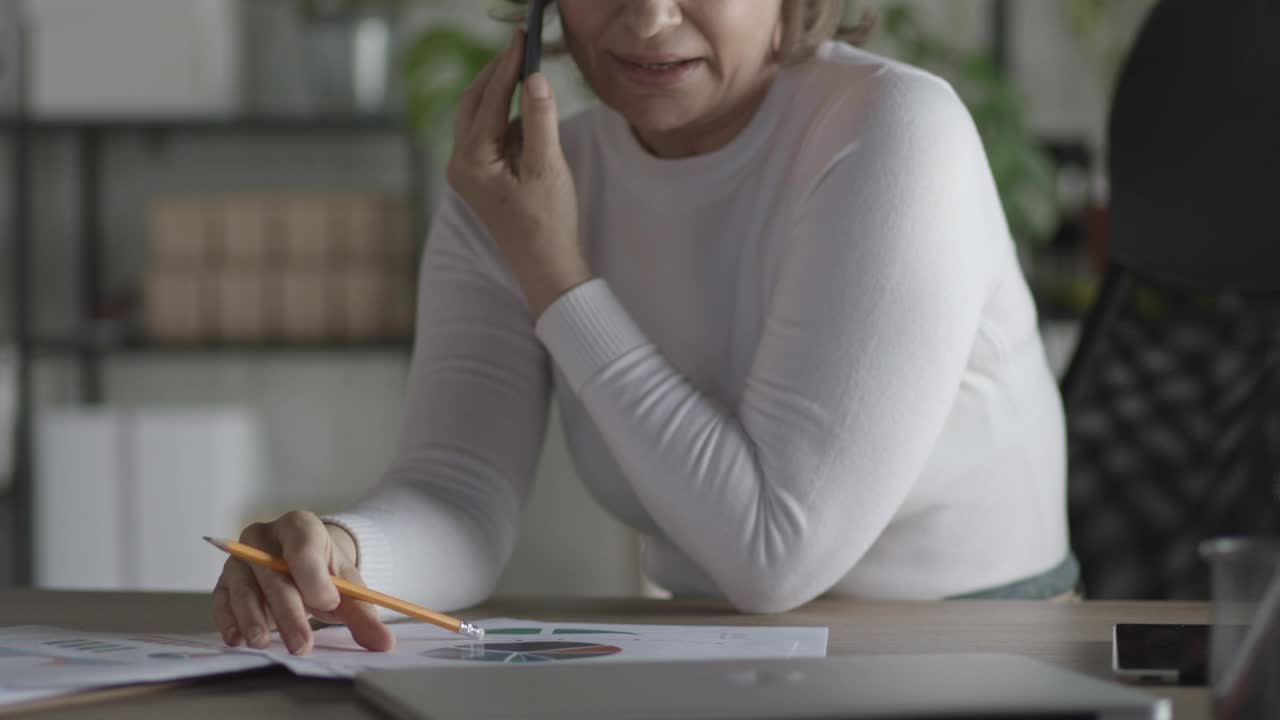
point(22, 697)
point(336, 655)
point(45, 658)
point(38, 662)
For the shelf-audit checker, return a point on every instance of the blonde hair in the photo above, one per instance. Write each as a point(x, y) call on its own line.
point(806, 24)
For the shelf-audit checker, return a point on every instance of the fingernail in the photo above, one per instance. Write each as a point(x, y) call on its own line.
point(258, 636)
point(231, 637)
point(295, 642)
point(538, 86)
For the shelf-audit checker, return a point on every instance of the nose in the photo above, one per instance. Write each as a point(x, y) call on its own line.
point(647, 18)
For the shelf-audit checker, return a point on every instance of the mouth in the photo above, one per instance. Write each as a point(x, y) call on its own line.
point(656, 70)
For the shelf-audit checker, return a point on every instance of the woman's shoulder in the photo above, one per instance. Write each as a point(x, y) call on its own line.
point(847, 98)
point(851, 94)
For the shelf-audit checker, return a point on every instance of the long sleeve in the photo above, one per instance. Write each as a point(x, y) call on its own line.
point(441, 524)
point(877, 302)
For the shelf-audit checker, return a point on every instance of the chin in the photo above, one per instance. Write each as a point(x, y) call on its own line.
point(658, 118)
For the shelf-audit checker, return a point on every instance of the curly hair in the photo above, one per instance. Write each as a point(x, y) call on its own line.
point(806, 24)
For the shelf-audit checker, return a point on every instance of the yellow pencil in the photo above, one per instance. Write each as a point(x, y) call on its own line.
point(351, 590)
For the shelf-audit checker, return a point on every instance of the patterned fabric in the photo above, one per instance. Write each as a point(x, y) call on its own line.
point(1174, 437)
point(1058, 583)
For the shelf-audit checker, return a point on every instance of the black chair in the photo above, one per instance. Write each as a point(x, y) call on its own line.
point(1173, 394)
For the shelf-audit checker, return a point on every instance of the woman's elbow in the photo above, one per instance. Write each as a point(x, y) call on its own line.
point(771, 593)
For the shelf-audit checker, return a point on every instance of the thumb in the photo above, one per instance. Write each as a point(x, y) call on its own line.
point(361, 618)
point(541, 125)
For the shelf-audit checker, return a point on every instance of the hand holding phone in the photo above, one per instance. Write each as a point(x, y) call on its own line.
point(533, 39)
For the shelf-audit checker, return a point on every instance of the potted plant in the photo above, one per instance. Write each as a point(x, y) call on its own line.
point(435, 67)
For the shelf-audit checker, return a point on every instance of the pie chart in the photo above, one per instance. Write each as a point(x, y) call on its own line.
point(522, 652)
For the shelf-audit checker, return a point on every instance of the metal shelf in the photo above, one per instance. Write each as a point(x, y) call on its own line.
point(211, 124)
point(70, 346)
point(88, 134)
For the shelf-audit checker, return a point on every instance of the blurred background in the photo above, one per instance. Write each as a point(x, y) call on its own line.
point(210, 213)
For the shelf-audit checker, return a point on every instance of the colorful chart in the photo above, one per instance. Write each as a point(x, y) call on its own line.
point(176, 642)
point(183, 655)
point(553, 631)
point(88, 645)
point(522, 652)
point(13, 658)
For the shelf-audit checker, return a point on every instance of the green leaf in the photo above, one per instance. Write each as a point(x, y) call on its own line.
point(436, 68)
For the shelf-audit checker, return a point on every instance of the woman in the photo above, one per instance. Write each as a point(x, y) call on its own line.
point(771, 285)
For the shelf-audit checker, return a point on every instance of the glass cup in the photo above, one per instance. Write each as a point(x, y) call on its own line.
point(1244, 654)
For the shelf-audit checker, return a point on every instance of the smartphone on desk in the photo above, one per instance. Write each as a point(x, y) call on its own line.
point(1175, 654)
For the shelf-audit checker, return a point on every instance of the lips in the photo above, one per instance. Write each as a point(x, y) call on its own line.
point(656, 70)
point(655, 61)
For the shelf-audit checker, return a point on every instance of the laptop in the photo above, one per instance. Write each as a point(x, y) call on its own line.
point(920, 687)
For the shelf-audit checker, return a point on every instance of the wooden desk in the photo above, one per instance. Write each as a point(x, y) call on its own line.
point(1074, 636)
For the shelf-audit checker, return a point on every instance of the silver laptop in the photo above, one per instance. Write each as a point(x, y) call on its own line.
point(955, 687)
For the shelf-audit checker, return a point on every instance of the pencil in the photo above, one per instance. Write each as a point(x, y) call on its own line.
point(351, 590)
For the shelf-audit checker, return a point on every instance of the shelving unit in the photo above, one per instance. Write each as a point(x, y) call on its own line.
point(89, 351)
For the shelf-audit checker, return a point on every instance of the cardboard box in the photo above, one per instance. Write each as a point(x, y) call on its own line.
point(399, 243)
point(306, 312)
point(177, 306)
point(246, 228)
point(313, 267)
point(357, 220)
point(309, 233)
point(362, 302)
point(243, 306)
point(362, 227)
point(402, 305)
point(179, 231)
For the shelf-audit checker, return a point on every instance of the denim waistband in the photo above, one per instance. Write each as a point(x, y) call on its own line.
point(1058, 580)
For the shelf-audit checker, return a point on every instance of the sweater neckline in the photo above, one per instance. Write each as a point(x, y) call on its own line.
point(704, 171)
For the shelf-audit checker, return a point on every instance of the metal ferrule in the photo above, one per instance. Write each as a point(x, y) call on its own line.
point(471, 631)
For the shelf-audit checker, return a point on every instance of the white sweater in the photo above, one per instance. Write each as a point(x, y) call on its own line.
point(809, 364)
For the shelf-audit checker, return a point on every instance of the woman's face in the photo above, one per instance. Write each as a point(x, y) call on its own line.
point(685, 73)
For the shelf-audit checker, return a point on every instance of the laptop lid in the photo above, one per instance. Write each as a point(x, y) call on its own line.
point(954, 686)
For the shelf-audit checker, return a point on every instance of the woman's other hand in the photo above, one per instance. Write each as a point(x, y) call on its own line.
point(513, 174)
point(250, 601)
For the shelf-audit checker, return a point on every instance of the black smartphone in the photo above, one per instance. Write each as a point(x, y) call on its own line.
point(533, 39)
point(1161, 653)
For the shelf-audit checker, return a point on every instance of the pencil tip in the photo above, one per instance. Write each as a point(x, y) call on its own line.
point(216, 542)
